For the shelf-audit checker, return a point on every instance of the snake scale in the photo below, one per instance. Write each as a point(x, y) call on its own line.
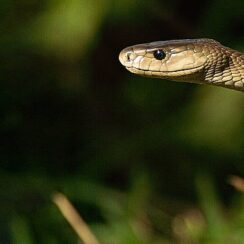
point(203, 61)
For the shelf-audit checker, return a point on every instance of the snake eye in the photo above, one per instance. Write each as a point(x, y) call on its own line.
point(159, 54)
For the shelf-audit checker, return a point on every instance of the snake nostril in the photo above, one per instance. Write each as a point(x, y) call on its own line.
point(128, 56)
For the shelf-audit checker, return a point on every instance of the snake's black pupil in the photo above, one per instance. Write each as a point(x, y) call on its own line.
point(159, 54)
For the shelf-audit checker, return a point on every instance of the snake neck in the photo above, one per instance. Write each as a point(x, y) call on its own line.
point(226, 69)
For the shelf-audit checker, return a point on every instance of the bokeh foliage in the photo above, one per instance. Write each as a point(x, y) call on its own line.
point(143, 160)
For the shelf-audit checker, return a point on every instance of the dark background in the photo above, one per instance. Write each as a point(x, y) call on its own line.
point(143, 160)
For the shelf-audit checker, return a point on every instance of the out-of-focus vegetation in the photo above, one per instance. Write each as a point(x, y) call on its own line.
point(143, 160)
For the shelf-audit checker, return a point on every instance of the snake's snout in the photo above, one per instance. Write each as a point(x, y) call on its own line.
point(126, 57)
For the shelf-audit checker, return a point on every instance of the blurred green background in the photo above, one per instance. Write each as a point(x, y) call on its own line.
point(143, 160)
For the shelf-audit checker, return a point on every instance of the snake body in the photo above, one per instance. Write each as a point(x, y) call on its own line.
point(203, 61)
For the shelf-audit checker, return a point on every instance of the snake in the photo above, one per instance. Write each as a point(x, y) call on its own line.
point(201, 61)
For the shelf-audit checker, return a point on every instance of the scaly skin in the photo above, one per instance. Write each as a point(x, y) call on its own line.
point(203, 61)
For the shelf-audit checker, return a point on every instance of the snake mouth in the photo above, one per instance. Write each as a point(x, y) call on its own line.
point(166, 73)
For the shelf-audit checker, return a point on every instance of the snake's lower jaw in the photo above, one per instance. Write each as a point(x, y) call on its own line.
point(191, 75)
point(136, 71)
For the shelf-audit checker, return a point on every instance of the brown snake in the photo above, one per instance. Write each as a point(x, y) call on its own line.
point(203, 61)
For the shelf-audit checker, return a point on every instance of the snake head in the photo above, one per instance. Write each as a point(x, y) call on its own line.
point(180, 60)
